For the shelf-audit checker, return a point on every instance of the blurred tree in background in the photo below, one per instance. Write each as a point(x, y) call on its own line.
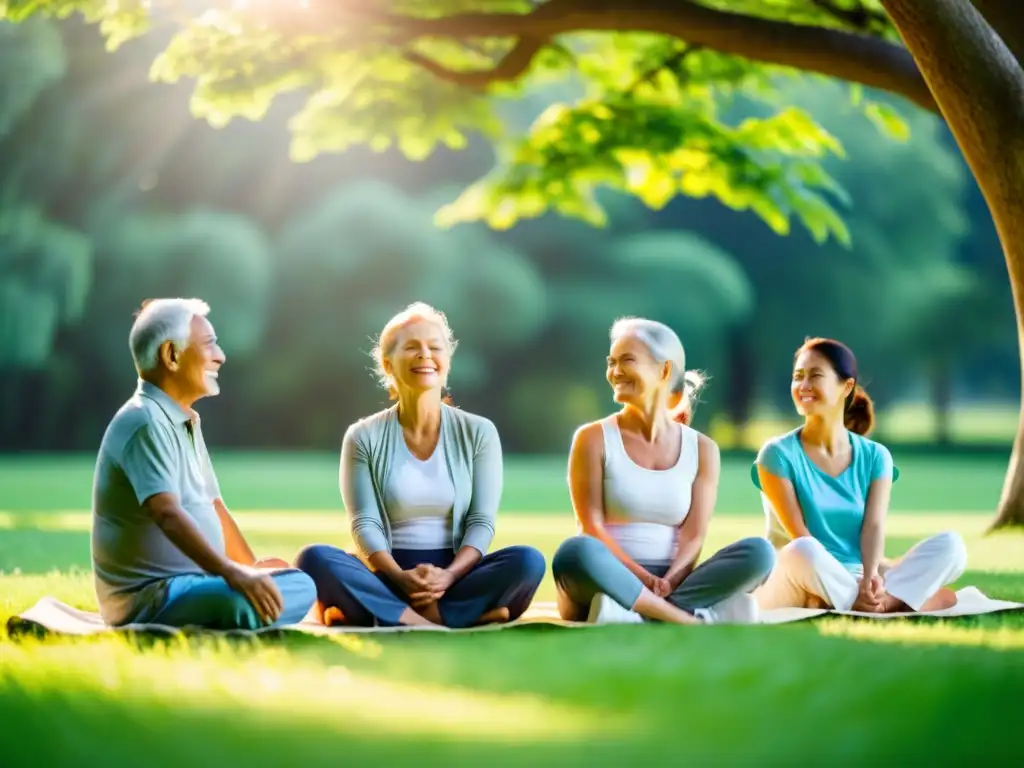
point(353, 260)
point(304, 262)
point(45, 268)
point(907, 219)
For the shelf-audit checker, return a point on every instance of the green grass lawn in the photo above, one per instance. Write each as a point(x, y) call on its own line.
point(834, 692)
point(309, 481)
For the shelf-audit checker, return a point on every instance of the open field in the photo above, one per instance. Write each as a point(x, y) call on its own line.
point(309, 481)
point(834, 692)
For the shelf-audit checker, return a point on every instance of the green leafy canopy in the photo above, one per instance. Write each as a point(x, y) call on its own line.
point(636, 111)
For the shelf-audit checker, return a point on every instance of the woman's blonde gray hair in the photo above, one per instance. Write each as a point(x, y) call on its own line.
point(385, 345)
point(664, 346)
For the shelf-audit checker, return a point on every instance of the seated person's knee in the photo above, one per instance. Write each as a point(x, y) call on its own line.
point(239, 611)
point(311, 557)
point(531, 565)
point(954, 548)
point(297, 587)
point(760, 555)
point(575, 554)
point(805, 549)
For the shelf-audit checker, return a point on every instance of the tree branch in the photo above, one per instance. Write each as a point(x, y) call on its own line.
point(1004, 16)
point(844, 55)
point(862, 18)
point(514, 63)
point(676, 59)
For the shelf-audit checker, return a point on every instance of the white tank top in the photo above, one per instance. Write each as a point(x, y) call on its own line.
point(643, 508)
point(419, 498)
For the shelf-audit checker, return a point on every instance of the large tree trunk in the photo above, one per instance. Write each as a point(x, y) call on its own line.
point(979, 87)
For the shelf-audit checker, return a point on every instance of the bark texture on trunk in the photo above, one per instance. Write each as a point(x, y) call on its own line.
point(979, 87)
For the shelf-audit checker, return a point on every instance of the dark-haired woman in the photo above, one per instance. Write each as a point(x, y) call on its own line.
point(826, 488)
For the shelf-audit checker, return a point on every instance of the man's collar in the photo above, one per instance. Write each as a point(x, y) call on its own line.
point(174, 411)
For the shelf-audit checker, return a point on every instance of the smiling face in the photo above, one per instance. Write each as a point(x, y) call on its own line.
point(633, 373)
point(195, 370)
point(419, 360)
point(816, 388)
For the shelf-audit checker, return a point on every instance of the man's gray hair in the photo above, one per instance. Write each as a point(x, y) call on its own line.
point(163, 320)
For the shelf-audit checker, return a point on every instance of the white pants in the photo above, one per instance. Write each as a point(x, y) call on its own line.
point(804, 570)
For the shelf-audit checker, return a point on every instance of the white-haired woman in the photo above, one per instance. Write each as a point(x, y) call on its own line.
point(421, 482)
point(643, 486)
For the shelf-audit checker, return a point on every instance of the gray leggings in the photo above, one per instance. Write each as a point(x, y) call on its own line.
point(584, 567)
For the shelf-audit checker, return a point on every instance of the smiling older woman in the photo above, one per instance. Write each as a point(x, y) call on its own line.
point(643, 486)
point(422, 482)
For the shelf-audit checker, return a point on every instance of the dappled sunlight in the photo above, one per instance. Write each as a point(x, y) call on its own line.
point(357, 645)
point(48, 521)
point(275, 682)
point(18, 592)
point(915, 632)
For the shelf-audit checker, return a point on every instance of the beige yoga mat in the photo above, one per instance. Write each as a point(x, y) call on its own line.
point(970, 601)
point(49, 616)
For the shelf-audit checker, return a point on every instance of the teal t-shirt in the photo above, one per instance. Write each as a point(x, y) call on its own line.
point(833, 507)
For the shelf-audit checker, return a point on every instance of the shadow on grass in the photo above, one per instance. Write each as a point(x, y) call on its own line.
point(715, 695)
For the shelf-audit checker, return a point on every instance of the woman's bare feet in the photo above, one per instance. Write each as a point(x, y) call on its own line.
point(940, 601)
point(892, 604)
point(431, 612)
point(410, 618)
point(944, 598)
point(333, 616)
point(660, 609)
point(866, 605)
point(497, 616)
point(327, 616)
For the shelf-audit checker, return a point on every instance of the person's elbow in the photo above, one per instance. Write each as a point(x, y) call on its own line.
point(369, 537)
point(163, 509)
point(693, 535)
point(871, 525)
point(592, 525)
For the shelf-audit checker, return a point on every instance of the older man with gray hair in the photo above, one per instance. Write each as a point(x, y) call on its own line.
point(165, 549)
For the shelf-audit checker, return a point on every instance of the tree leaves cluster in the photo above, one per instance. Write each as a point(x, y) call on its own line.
point(644, 124)
point(419, 75)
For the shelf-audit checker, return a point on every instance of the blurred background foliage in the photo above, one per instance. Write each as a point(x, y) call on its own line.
point(113, 193)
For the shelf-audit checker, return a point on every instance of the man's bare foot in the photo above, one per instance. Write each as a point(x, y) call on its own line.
point(941, 600)
point(497, 616)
